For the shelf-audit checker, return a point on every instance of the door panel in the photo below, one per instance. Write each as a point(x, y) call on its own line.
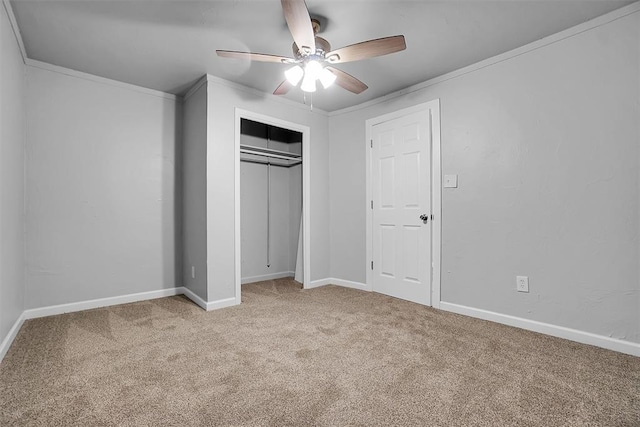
point(411, 181)
point(401, 190)
point(388, 250)
point(387, 182)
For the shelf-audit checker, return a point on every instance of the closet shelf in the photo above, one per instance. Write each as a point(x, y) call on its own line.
point(267, 152)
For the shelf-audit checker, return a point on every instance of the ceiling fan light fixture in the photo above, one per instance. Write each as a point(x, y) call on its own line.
point(327, 78)
point(308, 83)
point(294, 75)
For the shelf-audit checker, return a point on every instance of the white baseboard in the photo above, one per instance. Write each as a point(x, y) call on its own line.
point(211, 305)
point(98, 303)
point(106, 302)
point(602, 341)
point(337, 282)
point(350, 284)
point(589, 338)
point(316, 283)
point(609, 343)
point(193, 297)
point(270, 276)
point(80, 306)
point(222, 303)
point(13, 333)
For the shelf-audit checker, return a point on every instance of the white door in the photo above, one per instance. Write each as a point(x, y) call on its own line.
point(401, 212)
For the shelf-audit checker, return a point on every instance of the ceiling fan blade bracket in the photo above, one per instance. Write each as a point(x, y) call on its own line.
point(333, 58)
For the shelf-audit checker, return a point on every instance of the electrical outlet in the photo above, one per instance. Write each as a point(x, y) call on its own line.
point(193, 271)
point(522, 283)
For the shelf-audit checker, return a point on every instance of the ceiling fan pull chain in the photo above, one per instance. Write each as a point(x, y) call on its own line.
point(304, 99)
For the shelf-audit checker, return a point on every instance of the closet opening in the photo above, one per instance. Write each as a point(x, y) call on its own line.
point(270, 192)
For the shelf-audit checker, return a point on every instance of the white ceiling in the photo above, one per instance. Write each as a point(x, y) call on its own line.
point(168, 45)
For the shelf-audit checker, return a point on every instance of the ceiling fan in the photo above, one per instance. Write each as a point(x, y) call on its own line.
point(313, 58)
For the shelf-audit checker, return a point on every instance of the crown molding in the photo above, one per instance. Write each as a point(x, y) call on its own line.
point(15, 28)
point(69, 72)
point(554, 38)
point(546, 41)
point(97, 79)
point(196, 86)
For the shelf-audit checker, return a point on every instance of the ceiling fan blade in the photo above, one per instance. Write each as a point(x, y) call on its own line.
point(368, 49)
point(263, 57)
point(284, 87)
point(299, 22)
point(347, 81)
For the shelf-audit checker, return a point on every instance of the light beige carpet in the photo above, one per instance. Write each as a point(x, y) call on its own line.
point(328, 357)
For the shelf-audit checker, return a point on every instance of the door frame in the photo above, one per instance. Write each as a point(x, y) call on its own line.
point(432, 109)
point(306, 191)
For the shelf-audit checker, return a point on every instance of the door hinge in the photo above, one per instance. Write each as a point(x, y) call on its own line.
point(372, 204)
point(372, 265)
point(372, 143)
point(431, 217)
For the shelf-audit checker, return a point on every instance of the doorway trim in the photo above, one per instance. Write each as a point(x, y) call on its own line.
point(431, 108)
point(306, 193)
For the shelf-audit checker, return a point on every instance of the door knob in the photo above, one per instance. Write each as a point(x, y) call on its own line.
point(424, 217)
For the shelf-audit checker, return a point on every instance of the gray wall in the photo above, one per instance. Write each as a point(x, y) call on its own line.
point(102, 216)
point(223, 101)
point(194, 194)
point(12, 138)
point(546, 145)
point(285, 206)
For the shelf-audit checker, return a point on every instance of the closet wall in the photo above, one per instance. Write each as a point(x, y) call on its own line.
point(12, 169)
point(194, 192)
point(285, 208)
point(224, 100)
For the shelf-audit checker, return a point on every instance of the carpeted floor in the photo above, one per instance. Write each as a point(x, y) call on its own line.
point(329, 357)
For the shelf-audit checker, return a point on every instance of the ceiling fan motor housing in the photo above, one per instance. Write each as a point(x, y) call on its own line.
point(322, 47)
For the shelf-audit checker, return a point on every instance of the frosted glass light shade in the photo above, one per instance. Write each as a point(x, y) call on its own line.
point(313, 70)
point(327, 78)
point(308, 83)
point(294, 74)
